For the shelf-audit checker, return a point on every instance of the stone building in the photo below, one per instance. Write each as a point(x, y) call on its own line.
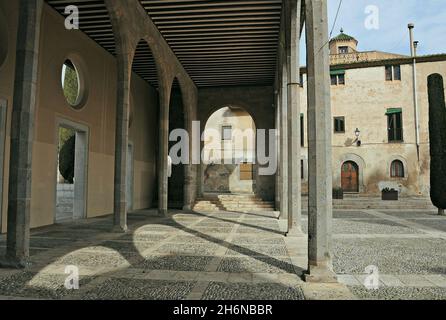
point(376, 140)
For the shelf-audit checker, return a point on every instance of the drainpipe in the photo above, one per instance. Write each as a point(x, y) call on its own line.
point(413, 53)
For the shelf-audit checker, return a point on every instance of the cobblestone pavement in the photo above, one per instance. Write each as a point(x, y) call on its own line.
point(220, 256)
point(230, 255)
point(407, 247)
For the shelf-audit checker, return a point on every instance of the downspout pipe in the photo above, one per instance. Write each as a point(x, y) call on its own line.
point(413, 53)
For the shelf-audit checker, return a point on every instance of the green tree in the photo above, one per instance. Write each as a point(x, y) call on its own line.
point(71, 83)
point(66, 159)
point(437, 136)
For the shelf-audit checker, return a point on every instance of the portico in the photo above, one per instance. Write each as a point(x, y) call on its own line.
point(156, 60)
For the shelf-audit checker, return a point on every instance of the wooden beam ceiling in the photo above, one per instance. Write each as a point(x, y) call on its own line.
point(219, 42)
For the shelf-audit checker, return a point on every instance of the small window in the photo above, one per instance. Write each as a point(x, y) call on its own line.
point(397, 73)
point(395, 126)
point(246, 171)
point(339, 124)
point(301, 80)
point(337, 79)
point(302, 170)
point(393, 73)
point(226, 133)
point(343, 50)
point(302, 131)
point(397, 169)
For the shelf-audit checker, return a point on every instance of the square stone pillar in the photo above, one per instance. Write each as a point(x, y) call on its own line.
point(319, 151)
point(163, 178)
point(22, 134)
point(283, 144)
point(190, 172)
point(293, 8)
point(277, 126)
point(121, 141)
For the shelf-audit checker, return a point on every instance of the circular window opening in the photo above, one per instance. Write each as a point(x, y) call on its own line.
point(71, 84)
point(3, 38)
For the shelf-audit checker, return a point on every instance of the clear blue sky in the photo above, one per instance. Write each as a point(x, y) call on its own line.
point(429, 17)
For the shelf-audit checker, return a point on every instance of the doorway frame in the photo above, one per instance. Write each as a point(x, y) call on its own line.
point(3, 124)
point(362, 169)
point(82, 132)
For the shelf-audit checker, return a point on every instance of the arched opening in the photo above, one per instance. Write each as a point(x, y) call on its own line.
point(397, 169)
point(142, 150)
point(176, 170)
point(229, 152)
point(350, 177)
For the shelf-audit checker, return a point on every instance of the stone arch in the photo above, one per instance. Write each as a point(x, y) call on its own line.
point(151, 70)
point(237, 104)
point(359, 161)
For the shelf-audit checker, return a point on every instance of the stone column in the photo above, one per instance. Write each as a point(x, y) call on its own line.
point(190, 172)
point(293, 90)
point(319, 149)
point(22, 134)
point(283, 144)
point(277, 125)
point(122, 138)
point(163, 179)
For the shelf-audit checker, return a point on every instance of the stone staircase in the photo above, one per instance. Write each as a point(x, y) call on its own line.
point(233, 202)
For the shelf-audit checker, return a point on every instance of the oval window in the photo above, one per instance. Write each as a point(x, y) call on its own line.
point(71, 83)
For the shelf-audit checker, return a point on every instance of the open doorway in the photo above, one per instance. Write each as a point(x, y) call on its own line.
point(71, 184)
point(230, 152)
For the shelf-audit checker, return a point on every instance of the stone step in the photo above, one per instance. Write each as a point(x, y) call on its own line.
point(233, 202)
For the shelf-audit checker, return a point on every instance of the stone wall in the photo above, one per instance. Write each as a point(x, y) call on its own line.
point(363, 101)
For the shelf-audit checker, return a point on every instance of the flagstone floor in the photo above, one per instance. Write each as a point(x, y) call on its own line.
point(227, 255)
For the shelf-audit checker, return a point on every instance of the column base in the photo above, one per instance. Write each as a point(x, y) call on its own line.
point(14, 263)
point(320, 274)
point(187, 208)
point(120, 229)
point(295, 231)
point(163, 212)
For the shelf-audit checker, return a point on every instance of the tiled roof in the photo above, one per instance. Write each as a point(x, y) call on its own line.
point(343, 37)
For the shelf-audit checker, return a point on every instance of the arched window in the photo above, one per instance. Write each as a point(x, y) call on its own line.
point(397, 169)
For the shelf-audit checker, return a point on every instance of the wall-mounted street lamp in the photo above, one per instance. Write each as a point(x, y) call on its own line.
point(358, 135)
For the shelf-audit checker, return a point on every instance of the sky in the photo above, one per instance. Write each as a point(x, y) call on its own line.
point(391, 35)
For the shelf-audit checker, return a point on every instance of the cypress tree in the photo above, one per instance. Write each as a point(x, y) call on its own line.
point(66, 159)
point(437, 136)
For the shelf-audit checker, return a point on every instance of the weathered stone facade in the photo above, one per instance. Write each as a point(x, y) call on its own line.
point(363, 102)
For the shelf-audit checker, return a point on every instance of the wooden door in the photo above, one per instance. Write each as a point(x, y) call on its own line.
point(350, 177)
